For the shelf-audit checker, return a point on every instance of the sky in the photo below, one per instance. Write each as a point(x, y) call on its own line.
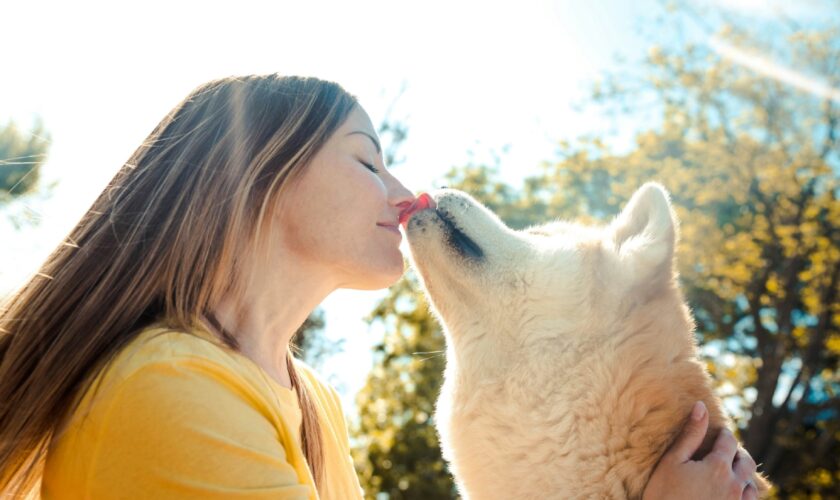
point(470, 79)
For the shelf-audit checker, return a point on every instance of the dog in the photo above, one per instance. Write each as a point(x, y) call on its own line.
point(571, 364)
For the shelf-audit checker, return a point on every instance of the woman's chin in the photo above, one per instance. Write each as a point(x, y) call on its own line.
point(377, 279)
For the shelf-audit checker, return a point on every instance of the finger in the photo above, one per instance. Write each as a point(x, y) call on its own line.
point(725, 446)
point(744, 467)
point(692, 435)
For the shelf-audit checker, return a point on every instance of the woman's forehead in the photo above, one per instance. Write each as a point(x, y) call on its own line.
point(358, 124)
point(358, 119)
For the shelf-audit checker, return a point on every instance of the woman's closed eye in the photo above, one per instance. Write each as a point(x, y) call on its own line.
point(370, 167)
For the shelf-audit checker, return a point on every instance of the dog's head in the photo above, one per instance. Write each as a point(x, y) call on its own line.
point(520, 287)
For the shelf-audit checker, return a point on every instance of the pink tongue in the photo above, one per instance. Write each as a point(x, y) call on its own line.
point(422, 202)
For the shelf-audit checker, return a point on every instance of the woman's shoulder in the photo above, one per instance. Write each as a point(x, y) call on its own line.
point(159, 342)
point(181, 395)
point(165, 371)
point(176, 354)
point(180, 358)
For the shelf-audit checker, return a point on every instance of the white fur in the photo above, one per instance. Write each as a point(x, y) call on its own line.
point(571, 362)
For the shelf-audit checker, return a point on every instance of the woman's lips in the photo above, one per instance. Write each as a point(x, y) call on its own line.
point(422, 202)
point(393, 229)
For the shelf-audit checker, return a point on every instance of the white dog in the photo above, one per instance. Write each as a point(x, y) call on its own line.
point(571, 363)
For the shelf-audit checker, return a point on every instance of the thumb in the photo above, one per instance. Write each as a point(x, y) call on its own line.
point(692, 434)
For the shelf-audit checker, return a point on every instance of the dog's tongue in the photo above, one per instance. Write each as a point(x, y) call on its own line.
point(422, 202)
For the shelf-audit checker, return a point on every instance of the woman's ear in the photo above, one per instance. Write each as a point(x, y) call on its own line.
point(645, 235)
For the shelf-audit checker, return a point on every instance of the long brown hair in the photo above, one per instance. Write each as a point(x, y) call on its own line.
point(162, 240)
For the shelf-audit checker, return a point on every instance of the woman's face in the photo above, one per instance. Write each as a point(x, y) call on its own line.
point(342, 216)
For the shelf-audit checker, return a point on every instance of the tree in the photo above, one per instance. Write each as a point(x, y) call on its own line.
point(21, 158)
point(752, 164)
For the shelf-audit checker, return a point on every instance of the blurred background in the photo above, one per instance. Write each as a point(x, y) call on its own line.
point(541, 110)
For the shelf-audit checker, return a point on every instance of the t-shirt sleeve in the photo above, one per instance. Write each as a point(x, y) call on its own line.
point(189, 429)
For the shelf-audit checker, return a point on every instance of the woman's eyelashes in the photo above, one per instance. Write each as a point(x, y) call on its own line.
point(370, 167)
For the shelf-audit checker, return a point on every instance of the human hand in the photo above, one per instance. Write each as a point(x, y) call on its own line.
point(725, 473)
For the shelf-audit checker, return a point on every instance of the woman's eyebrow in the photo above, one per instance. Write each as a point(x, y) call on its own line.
point(375, 142)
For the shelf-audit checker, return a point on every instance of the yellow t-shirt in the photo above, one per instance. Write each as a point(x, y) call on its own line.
point(180, 415)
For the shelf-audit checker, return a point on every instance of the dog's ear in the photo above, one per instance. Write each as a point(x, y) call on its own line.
point(645, 234)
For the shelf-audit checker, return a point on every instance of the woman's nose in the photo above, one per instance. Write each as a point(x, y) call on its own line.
point(405, 203)
point(399, 196)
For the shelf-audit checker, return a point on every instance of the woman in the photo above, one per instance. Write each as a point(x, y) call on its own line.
point(149, 357)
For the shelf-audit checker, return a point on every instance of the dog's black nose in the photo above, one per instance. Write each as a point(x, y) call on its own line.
point(443, 187)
